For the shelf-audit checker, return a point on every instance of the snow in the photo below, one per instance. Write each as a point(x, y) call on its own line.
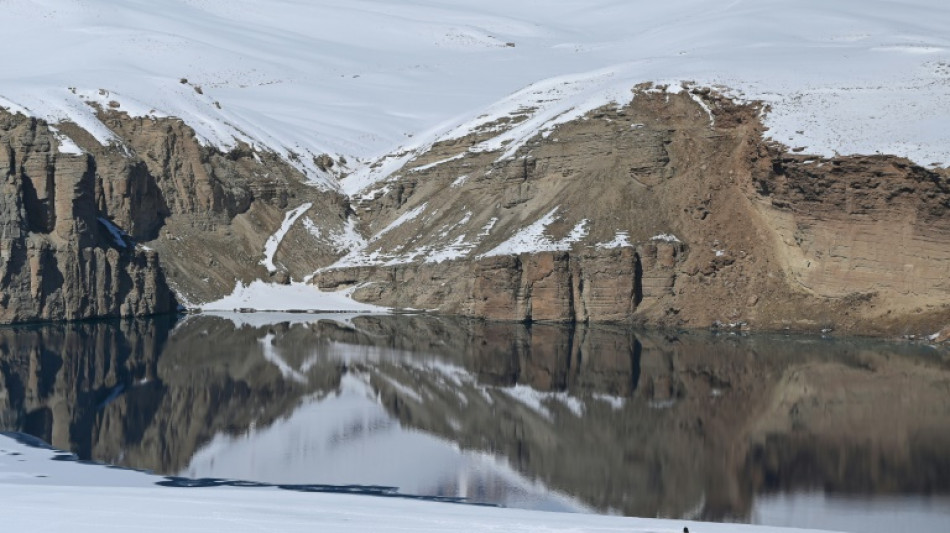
point(272, 355)
point(273, 242)
point(344, 240)
point(486, 229)
point(437, 163)
point(455, 250)
point(65, 145)
point(535, 400)
point(620, 240)
point(114, 231)
point(615, 402)
point(665, 237)
point(402, 219)
point(531, 238)
point(702, 103)
point(358, 255)
point(364, 79)
point(262, 296)
point(39, 494)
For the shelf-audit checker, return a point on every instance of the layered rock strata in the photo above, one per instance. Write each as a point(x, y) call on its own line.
point(672, 211)
point(92, 229)
point(61, 257)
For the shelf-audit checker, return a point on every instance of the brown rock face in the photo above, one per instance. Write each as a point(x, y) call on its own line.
point(861, 227)
point(58, 259)
point(206, 213)
point(657, 212)
point(209, 213)
point(712, 224)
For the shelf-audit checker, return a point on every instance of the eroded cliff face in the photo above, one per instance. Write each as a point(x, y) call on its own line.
point(869, 231)
point(59, 259)
point(99, 230)
point(208, 213)
point(670, 211)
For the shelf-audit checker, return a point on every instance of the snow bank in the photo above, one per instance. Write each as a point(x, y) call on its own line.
point(262, 296)
point(620, 240)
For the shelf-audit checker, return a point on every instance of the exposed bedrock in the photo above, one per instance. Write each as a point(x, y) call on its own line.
point(673, 211)
point(670, 211)
point(583, 285)
point(83, 224)
point(59, 258)
point(210, 213)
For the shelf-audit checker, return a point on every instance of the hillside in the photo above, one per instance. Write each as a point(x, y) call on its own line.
point(763, 164)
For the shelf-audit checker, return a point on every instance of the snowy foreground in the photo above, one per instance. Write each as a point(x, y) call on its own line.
point(40, 494)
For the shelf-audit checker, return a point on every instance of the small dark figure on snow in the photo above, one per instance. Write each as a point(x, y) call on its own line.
point(685, 530)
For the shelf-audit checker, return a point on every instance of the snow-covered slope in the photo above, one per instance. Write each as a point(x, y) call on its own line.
point(360, 78)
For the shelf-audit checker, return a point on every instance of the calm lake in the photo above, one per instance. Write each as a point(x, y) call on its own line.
point(852, 435)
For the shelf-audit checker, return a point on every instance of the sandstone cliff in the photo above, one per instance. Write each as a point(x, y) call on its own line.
point(61, 257)
point(207, 213)
point(95, 230)
point(673, 211)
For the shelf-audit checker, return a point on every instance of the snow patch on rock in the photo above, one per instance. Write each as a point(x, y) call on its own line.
point(532, 238)
point(273, 242)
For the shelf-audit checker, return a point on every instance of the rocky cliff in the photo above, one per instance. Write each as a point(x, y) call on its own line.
point(61, 256)
point(92, 229)
point(673, 210)
point(208, 213)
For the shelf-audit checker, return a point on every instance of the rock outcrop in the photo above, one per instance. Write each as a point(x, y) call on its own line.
point(61, 257)
point(598, 285)
point(102, 230)
point(672, 210)
point(209, 213)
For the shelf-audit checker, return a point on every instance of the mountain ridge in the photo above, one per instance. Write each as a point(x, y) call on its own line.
point(591, 196)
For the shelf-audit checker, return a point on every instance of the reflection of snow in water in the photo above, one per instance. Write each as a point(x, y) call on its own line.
point(347, 437)
point(272, 355)
point(536, 399)
point(878, 514)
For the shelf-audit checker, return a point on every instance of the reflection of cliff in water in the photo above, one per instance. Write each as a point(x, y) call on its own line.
point(642, 423)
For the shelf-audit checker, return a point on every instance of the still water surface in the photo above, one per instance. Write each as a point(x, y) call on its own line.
point(848, 435)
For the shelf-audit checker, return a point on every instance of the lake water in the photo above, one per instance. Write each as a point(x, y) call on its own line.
point(840, 434)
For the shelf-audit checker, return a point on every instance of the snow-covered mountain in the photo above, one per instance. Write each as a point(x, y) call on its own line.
point(697, 155)
point(360, 79)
